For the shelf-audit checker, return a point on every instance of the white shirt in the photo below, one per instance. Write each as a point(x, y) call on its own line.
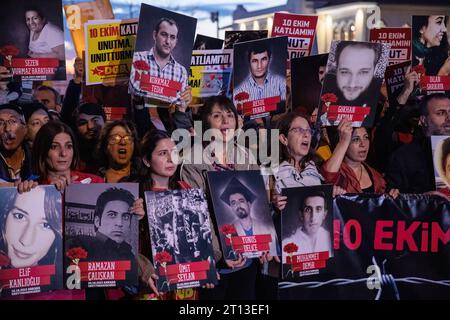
point(51, 36)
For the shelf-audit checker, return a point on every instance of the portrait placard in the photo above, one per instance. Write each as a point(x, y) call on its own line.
point(242, 214)
point(101, 235)
point(180, 233)
point(31, 242)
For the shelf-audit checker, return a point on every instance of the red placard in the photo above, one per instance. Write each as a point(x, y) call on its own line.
point(161, 82)
point(398, 38)
point(187, 277)
point(239, 240)
point(121, 265)
point(184, 267)
point(35, 63)
point(300, 30)
point(103, 276)
point(308, 257)
point(25, 282)
point(259, 106)
point(319, 264)
point(115, 110)
point(352, 113)
point(435, 83)
point(254, 247)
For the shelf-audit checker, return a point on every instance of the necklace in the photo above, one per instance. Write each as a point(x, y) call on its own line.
point(360, 176)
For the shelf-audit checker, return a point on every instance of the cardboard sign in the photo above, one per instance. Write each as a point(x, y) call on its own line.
point(267, 94)
point(210, 72)
point(246, 230)
point(306, 230)
point(30, 255)
point(109, 50)
point(352, 82)
point(101, 235)
point(300, 30)
point(181, 240)
point(32, 44)
point(394, 78)
point(160, 67)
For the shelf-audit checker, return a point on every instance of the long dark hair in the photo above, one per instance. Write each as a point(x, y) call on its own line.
point(148, 145)
point(52, 209)
point(284, 125)
point(43, 142)
point(102, 146)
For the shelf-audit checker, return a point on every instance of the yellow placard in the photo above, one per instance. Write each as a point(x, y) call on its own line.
point(210, 72)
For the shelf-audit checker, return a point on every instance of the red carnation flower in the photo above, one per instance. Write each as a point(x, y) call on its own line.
point(4, 260)
point(163, 256)
point(290, 248)
point(76, 253)
point(9, 50)
point(141, 65)
point(420, 69)
point(329, 98)
point(228, 229)
point(242, 96)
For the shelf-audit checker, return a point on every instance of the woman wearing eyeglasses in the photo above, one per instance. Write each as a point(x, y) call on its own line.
point(297, 168)
point(118, 153)
point(347, 167)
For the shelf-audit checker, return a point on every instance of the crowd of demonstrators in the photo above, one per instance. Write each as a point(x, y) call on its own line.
point(58, 142)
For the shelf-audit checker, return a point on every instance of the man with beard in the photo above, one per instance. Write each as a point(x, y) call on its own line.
point(411, 166)
point(311, 236)
point(161, 61)
point(162, 64)
point(353, 80)
point(14, 152)
point(90, 119)
point(240, 200)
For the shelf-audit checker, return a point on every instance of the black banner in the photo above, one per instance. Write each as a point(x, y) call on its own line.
point(383, 249)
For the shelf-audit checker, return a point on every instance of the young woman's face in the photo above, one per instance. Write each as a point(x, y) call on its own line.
point(60, 155)
point(434, 31)
point(34, 21)
point(222, 120)
point(120, 146)
point(299, 138)
point(359, 146)
point(27, 232)
point(161, 159)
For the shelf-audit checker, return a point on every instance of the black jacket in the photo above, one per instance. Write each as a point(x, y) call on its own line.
point(25, 171)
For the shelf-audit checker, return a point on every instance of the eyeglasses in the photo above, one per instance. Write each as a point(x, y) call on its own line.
point(11, 122)
point(115, 139)
point(302, 131)
point(358, 140)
